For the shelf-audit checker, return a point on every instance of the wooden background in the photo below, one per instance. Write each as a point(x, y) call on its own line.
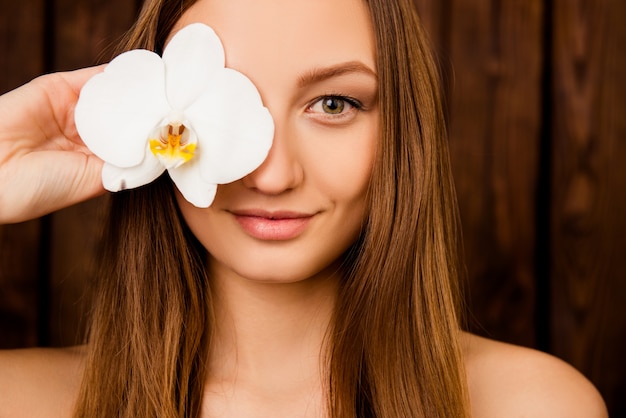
point(537, 108)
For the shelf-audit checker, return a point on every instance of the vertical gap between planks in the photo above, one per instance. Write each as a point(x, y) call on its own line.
point(43, 268)
point(543, 203)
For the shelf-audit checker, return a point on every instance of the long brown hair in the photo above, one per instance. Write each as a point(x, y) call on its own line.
point(393, 349)
point(397, 313)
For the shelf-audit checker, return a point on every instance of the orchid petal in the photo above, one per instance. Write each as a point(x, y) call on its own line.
point(188, 181)
point(116, 178)
point(234, 130)
point(190, 58)
point(217, 129)
point(119, 107)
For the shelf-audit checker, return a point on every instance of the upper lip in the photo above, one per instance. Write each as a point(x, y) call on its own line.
point(271, 214)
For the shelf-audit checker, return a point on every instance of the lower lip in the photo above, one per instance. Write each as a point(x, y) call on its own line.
point(273, 229)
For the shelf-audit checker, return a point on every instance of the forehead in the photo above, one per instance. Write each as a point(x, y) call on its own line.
point(265, 38)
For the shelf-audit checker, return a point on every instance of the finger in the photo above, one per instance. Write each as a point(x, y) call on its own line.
point(77, 78)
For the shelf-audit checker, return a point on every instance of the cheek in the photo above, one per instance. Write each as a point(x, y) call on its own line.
point(195, 218)
point(342, 166)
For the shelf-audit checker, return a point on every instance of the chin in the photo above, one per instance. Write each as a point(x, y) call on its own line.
point(266, 270)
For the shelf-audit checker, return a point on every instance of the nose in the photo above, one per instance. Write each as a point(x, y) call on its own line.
point(282, 170)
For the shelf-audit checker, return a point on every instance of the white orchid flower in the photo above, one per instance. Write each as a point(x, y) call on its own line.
point(183, 112)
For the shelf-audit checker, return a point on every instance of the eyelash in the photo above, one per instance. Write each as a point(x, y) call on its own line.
point(353, 104)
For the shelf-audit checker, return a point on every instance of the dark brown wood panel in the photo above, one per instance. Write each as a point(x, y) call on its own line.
point(434, 16)
point(86, 33)
point(22, 27)
point(589, 192)
point(21, 59)
point(495, 121)
point(20, 286)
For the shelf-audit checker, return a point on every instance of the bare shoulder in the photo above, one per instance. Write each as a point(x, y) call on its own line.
point(507, 380)
point(41, 382)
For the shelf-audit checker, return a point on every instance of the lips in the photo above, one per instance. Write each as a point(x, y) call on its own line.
point(272, 225)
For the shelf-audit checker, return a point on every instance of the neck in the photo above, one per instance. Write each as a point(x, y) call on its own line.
point(270, 335)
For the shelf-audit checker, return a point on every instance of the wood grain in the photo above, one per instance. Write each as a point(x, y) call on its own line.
point(495, 122)
point(86, 33)
point(22, 29)
point(589, 192)
point(20, 285)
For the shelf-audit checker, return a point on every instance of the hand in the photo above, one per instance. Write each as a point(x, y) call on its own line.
point(44, 165)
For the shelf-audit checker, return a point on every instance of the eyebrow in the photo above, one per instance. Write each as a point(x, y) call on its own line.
point(320, 74)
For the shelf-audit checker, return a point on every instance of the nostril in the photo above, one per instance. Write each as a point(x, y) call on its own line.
point(280, 172)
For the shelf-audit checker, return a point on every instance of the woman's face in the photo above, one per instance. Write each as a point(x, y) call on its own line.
point(313, 62)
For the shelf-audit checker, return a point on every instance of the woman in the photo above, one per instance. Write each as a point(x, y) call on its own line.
point(321, 284)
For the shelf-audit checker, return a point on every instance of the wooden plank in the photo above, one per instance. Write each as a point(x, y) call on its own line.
point(21, 42)
point(19, 284)
point(85, 34)
point(433, 15)
point(21, 59)
point(86, 31)
point(589, 192)
point(495, 124)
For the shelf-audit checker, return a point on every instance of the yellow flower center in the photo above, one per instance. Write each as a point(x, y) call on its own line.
point(172, 147)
